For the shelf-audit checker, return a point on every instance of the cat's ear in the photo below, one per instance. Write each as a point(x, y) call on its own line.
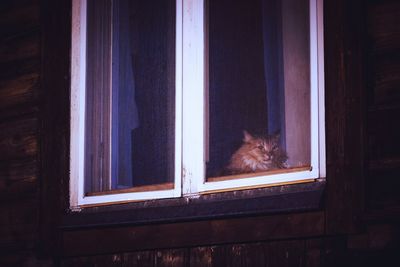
point(247, 137)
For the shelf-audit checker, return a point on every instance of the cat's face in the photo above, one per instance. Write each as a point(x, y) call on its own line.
point(262, 149)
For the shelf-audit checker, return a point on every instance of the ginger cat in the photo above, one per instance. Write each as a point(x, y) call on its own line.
point(257, 154)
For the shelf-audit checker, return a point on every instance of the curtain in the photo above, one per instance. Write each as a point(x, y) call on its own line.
point(125, 113)
point(273, 66)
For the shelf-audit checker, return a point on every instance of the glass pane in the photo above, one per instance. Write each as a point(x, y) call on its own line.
point(258, 86)
point(130, 97)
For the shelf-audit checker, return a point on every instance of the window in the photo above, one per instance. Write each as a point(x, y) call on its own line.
point(182, 97)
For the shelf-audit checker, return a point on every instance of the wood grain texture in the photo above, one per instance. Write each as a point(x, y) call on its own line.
point(18, 17)
point(383, 33)
point(23, 257)
point(19, 90)
point(139, 259)
point(18, 139)
point(18, 179)
point(383, 68)
point(19, 220)
point(383, 26)
point(345, 114)
point(171, 258)
point(19, 142)
point(98, 261)
point(54, 119)
point(97, 241)
point(20, 47)
point(271, 200)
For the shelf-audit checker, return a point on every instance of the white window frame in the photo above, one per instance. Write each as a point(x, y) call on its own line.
point(194, 143)
point(78, 81)
point(190, 126)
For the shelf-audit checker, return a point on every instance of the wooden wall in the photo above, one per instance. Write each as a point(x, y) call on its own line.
point(356, 225)
point(20, 64)
point(383, 105)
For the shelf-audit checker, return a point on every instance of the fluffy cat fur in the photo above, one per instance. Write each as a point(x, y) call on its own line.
point(257, 154)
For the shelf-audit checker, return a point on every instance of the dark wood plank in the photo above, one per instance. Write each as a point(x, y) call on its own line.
point(262, 201)
point(19, 90)
point(208, 256)
point(345, 112)
point(172, 258)
point(20, 47)
point(18, 224)
point(383, 18)
point(242, 255)
point(334, 251)
point(383, 21)
point(247, 229)
point(313, 252)
point(23, 258)
point(201, 256)
point(383, 135)
point(18, 139)
point(113, 260)
point(18, 68)
point(54, 119)
point(19, 86)
point(18, 17)
point(275, 253)
point(18, 146)
point(18, 111)
point(139, 259)
point(382, 190)
point(27, 125)
point(384, 80)
point(285, 253)
point(18, 179)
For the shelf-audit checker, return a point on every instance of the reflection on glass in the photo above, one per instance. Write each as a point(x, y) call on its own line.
point(130, 92)
point(258, 91)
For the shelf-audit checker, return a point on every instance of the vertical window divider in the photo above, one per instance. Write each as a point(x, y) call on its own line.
point(193, 96)
point(178, 99)
point(314, 86)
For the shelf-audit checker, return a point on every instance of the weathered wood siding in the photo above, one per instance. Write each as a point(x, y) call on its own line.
point(358, 223)
point(20, 64)
point(383, 114)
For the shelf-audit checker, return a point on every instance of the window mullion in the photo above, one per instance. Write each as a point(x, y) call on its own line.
point(193, 96)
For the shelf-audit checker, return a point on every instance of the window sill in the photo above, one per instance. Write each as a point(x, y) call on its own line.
point(254, 202)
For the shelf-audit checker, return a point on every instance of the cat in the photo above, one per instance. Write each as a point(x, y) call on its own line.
point(257, 154)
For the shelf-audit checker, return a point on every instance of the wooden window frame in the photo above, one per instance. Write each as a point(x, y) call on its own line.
point(190, 154)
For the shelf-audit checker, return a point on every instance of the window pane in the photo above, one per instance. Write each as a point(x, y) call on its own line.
point(258, 86)
point(130, 94)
